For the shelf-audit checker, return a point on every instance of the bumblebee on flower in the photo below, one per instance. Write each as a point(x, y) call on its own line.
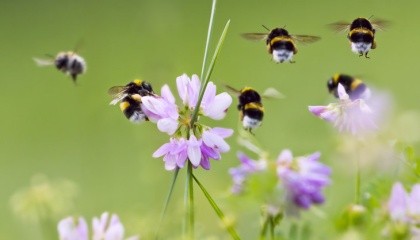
point(199, 142)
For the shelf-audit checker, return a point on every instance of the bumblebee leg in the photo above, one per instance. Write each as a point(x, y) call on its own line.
point(291, 61)
point(366, 55)
point(74, 78)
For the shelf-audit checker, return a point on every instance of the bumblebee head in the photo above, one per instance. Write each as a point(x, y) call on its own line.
point(61, 61)
point(147, 86)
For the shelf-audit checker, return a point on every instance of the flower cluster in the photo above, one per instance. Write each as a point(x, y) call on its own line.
point(301, 178)
point(247, 167)
point(195, 142)
point(347, 115)
point(103, 228)
point(404, 208)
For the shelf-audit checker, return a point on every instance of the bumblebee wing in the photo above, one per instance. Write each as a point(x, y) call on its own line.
point(380, 24)
point(118, 93)
point(271, 93)
point(305, 38)
point(339, 26)
point(41, 62)
point(232, 90)
point(254, 36)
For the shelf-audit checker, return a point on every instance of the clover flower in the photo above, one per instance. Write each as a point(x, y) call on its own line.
point(404, 207)
point(247, 167)
point(353, 116)
point(196, 143)
point(103, 228)
point(302, 178)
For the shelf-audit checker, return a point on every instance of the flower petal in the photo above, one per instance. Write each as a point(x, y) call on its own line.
point(217, 109)
point(167, 125)
point(194, 152)
point(167, 94)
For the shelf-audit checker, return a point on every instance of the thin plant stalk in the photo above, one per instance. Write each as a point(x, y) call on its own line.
point(168, 198)
point(358, 181)
point(231, 230)
point(209, 30)
point(209, 72)
point(190, 201)
point(263, 231)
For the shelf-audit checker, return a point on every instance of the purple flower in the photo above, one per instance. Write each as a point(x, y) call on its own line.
point(247, 167)
point(353, 116)
point(404, 207)
point(303, 178)
point(103, 229)
point(213, 106)
point(198, 151)
point(69, 230)
point(162, 110)
point(197, 143)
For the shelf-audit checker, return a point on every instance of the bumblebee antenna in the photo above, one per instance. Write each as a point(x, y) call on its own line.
point(371, 16)
point(265, 27)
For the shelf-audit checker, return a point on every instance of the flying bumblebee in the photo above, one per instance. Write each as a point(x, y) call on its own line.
point(280, 44)
point(361, 33)
point(68, 62)
point(354, 87)
point(130, 98)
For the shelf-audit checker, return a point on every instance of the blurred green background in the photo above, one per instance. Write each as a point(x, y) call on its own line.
point(51, 127)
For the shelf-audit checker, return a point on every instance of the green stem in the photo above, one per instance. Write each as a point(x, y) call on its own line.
point(209, 30)
point(219, 212)
point(358, 181)
point(190, 202)
point(263, 231)
point(272, 225)
point(168, 198)
point(209, 72)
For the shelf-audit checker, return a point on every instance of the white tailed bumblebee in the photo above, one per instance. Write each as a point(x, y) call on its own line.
point(130, 98)
point(280, 44)
point(361, 33)
point(68, 62)
point(354, 87)
point(250, 107)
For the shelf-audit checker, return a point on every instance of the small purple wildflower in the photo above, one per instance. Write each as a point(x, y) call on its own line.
point(303, 178)
point(103, 229)
point(196, 143)
point(247, 167)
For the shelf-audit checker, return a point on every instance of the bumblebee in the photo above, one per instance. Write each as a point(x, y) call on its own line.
point(130, 98)
point(280, 44)
point(250, 107)
point(354, 87)
point(361, 34)
point(68, 62)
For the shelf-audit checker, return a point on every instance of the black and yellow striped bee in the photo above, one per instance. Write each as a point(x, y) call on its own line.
point(68, 62)
point(280, 44)
point(250, 107)
point(361, 33)
point(354, 87)
point(130, 98)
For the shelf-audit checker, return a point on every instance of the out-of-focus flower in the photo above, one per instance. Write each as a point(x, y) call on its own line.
point(302, 178)
point(44, 199)
point(103, 228)
point(68, 229)
point(353, 116)
point(247, 167)
point(404, 208)
point(197, 143)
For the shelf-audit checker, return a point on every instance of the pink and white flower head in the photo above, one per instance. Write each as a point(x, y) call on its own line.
point(352, 116)
point(196, 143)
point(303, 179)
point(103, 228)
point(404, 207)
point(212, 106)
point(198, 151)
